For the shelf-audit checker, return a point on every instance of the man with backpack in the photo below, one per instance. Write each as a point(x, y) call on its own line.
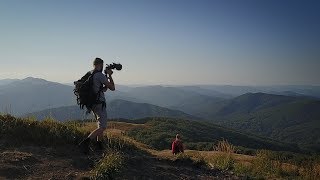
point(91, 94)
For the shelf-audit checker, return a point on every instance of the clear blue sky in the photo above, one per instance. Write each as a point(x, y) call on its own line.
point(163, 42)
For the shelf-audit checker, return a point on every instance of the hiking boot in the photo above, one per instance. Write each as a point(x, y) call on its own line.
point(100, 145)
point(84, 145)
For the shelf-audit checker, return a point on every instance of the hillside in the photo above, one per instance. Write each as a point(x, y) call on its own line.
point(159, 133)
point(205, 92)
point(252, 102)
point(289, 119)
point(47, 150)
point(166, 96)
point(115, 108)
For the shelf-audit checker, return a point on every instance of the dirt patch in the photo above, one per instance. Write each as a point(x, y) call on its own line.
point(146, 166)
point(31, 162)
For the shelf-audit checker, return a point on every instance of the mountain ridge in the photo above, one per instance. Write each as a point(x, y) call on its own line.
point(116, 109)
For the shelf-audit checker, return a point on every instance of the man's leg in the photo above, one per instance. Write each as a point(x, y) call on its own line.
point(100, 114)
point(94, 135)
point(97, 134)
point(102, 125)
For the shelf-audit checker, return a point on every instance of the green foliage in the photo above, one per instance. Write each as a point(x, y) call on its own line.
point(160, 132)
point(287, 119)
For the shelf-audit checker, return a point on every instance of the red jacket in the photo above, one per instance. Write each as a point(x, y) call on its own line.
point(177, 147)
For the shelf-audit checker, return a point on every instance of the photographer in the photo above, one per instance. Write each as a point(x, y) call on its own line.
point(100, 84)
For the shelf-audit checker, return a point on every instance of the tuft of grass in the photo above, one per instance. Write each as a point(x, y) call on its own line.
point(17, 131)
point(109, 167)
point(310, 171)
point(242, 169)
point(120, 143)
point(222, 161)
point(263, 166)
point(224, 146)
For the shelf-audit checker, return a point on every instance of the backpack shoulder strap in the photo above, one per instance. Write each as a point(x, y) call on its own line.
point(86, 76)
point(92, 73)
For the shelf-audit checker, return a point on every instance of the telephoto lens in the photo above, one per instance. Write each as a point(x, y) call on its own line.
point(114, 66)
point(118, 67)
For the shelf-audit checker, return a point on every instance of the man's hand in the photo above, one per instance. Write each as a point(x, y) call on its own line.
point(109, 71)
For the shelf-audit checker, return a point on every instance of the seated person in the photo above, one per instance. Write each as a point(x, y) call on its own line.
point(177, 145)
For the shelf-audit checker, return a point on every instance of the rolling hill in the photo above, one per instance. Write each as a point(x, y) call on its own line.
point(166, 96)
point(305, 90)
point(159, 133)
point(116, 109)
point(289, 119)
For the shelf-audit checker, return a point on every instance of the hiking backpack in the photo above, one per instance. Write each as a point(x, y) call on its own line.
point(84, 91)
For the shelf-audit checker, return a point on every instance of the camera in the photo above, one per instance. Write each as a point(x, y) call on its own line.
point(114, 66)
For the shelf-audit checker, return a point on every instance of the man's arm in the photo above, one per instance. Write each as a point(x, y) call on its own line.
point(109, 84)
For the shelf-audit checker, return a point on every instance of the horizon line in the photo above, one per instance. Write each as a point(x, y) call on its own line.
point(161, 84)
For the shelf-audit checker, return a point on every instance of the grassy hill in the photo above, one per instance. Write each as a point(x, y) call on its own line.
point(46, 150)
point(116, 109)
point(284, 118)
point(159, 133)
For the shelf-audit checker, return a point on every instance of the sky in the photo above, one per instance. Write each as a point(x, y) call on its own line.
point(238, 42)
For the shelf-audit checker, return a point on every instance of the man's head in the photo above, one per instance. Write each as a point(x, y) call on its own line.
point(98, 64)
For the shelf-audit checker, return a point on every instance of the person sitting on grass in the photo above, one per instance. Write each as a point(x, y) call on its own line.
point(177, 145)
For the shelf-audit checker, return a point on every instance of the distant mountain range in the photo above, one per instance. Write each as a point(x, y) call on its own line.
point(33, 94)
point(290, 113)
point(115, 108)
point(304, 90)
point(7, 81)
